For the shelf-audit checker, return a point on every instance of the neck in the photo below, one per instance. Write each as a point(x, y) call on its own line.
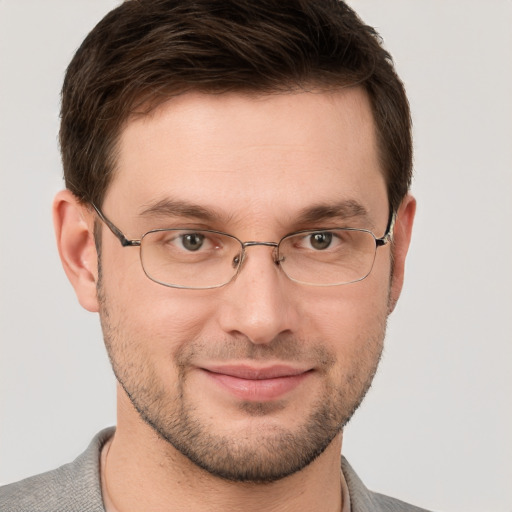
point(143, 472)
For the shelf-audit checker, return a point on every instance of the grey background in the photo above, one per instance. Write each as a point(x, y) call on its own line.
point(436, 427)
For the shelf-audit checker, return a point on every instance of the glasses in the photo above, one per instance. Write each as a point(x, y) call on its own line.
point(202, 258)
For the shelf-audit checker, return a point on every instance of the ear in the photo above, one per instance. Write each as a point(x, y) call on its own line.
point(401, 240)
point(74, 229)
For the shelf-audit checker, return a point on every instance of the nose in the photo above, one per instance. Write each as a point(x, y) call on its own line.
point(258, 304)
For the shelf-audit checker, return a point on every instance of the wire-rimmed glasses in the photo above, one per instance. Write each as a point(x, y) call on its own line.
point(204, 258)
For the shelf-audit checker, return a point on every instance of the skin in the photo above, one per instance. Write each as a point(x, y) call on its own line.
point(256, 162)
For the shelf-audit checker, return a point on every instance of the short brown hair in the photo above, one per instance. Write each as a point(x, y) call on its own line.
point(145, 51)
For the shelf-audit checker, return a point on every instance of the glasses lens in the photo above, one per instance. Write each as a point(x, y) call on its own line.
point(190, 259)
point(328, 258)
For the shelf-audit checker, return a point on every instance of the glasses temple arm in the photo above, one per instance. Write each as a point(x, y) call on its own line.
point(125, 242)
point(388, 236)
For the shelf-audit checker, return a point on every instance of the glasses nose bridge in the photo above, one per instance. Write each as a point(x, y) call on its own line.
point(253, 243)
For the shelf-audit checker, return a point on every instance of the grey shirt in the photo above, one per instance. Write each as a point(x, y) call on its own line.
point(76, 487)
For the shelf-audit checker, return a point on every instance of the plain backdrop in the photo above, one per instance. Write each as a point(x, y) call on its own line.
point(436, 429)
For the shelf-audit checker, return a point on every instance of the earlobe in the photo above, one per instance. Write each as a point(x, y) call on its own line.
point(74, 230)
point(401, 240)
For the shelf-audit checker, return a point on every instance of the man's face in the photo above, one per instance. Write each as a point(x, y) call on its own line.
point(251, 381)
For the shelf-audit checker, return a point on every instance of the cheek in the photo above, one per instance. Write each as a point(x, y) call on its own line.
point(149, 315)
point(351, 306)
point(350, 319)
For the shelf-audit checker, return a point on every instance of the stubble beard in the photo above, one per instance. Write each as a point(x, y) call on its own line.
point(253, 455)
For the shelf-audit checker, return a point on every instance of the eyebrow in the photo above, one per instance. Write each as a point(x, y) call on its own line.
point(177, 208)
point(347, 209)
point(342, 210)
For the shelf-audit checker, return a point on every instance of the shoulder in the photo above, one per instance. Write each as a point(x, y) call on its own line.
point(364, 500)
point(72, 487)
point(388, 504)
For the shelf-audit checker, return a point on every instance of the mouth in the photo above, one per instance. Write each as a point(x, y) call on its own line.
point(258, 384)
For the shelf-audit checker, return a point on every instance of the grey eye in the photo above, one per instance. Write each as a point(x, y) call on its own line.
point(192, 241)
point(320, 241)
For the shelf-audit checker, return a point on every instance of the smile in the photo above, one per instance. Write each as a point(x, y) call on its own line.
point(257, 384)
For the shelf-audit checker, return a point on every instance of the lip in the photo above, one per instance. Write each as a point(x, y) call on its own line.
point(257, 384)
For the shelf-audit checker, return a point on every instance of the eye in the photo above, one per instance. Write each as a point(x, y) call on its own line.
point(188, 245)
point(192, 241)
point(321, 240)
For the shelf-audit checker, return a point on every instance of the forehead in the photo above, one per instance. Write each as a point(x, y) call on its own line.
point(258, 155)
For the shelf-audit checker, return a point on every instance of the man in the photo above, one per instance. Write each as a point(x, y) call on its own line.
point(237, 211)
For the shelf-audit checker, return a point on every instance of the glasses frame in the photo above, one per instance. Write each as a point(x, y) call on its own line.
point(127, 242)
